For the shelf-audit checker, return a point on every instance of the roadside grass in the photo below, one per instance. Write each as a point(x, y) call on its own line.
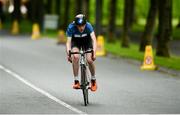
point(50, 33)
point(133, 53)
point(24, 26)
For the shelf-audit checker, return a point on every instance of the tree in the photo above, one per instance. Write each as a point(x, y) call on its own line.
point(58, 4)
point(112, 20)
point(1, 11)
point(58, 12)
point(16, 17)
point(16, 13)
point(78, 6)
point(132, 12)
point(146, 38)
point(1, 14)
point(85, 8)
point(164, 28)
point(98, 16)
point(49, 6)
point(126, 23)
point(66, 14)
point(37, 7)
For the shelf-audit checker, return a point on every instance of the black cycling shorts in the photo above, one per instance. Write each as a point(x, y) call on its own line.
point(82, 42)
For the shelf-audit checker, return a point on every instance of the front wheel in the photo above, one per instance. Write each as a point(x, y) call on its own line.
point(85, 95)
point(84, 84)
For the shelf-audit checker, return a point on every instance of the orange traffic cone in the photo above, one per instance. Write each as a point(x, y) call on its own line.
point(148, 63)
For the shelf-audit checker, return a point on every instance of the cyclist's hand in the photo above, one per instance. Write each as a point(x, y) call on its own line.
point(69, 59)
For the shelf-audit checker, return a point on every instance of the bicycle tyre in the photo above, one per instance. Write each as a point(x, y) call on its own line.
point(85, 95)
point(84, 85)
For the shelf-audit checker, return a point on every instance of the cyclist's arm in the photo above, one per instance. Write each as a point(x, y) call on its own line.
point(93, 37)
point(68, 45)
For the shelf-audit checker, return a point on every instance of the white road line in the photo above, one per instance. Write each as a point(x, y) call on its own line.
point(40, 90)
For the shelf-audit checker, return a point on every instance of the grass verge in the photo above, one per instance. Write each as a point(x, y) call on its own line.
point(133, 53)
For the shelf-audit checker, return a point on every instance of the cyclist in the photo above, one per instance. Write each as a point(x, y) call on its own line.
point(80, 33)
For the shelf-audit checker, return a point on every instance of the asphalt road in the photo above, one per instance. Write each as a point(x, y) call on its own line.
point(36, 78)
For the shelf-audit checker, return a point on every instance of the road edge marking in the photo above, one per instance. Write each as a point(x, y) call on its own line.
point(41, 90)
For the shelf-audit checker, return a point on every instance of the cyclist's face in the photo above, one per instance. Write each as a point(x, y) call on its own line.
point(81, 28)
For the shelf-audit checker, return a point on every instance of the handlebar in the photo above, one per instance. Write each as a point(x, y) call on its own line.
point(81, 52)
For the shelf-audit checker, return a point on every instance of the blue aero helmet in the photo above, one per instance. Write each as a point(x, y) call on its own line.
point(80, 20)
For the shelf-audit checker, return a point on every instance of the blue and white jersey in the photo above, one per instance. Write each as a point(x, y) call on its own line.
point(72, 31)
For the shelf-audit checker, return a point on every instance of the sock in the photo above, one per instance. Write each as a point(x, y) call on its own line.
point(93, 78)
point(76, 78)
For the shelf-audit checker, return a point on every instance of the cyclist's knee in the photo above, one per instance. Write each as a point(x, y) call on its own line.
point(75, 58)
point(89, 60)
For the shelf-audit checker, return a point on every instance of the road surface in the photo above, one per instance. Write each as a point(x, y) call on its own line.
point(36, 78)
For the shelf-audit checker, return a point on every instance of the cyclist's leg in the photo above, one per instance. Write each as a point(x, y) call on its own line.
point(88, 45)
point(91, 64)
point(75, 64)
point(92, 70)
point(75, 57)
point(75, 61)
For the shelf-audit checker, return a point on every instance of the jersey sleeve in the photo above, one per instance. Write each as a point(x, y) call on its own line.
point(69, 31)
point(89, 28)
